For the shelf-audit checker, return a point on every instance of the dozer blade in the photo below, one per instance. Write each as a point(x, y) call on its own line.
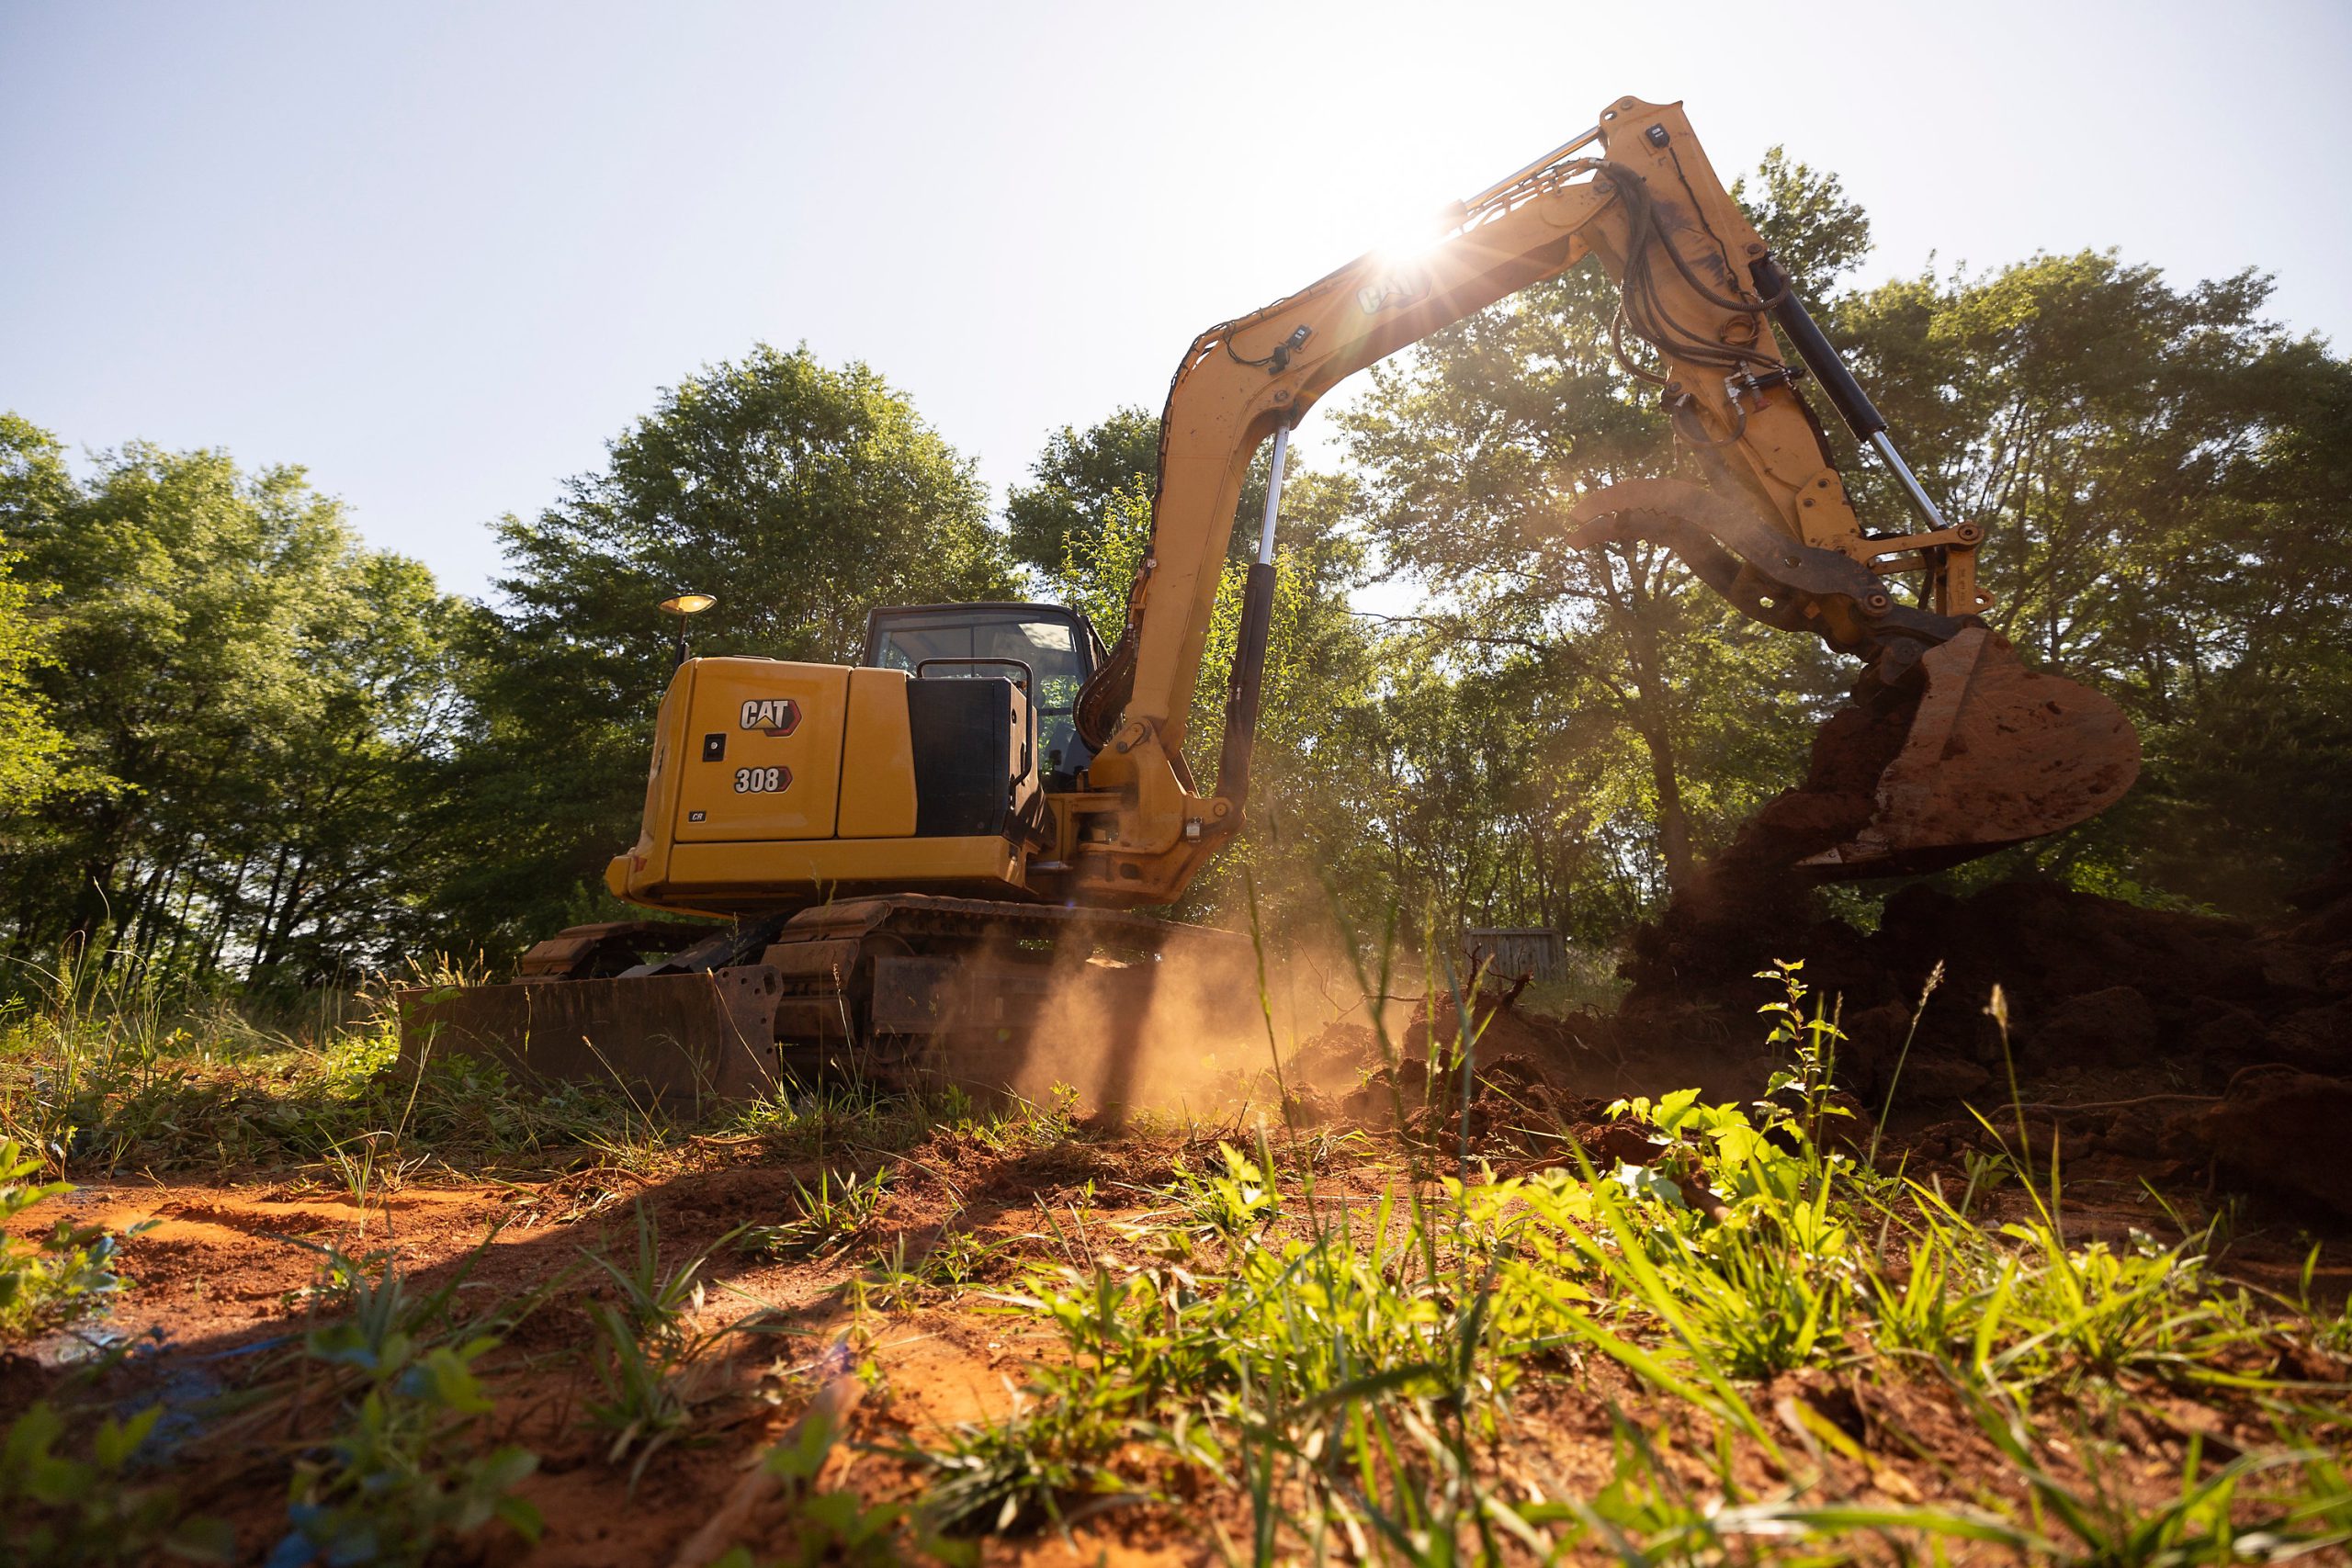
point(677, 1037)
point(1996, 753)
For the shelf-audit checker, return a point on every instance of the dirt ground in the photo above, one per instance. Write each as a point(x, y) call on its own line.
point(2178, 1066)
point(222, 1286)
point(222, 1279)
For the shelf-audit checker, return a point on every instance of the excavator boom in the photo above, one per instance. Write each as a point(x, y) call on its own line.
point(2001, 754)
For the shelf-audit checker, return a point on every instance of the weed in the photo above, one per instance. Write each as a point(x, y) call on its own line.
point(649, 1391)
point(657, 1300)
point(1231, 1204)
point(58, 1509)
point(653, 1364)
point(1811, 1043)
point(835, 1525)
point(1895, 1078)
point(1358, 1383)
point(67, 1274)
point(2220, 1516)
point(829, 1216)
point(893, 1280)
point(401, 1473)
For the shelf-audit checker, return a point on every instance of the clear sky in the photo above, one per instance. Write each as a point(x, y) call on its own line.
point(439, 254)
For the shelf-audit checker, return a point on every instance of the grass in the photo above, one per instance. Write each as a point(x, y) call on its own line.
point(825, 1218)
point(1367, 1383)
point(1298, 1344)
point(654, 1366)
point(98, 1077)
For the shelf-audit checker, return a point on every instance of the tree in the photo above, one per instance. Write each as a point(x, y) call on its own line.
point(2161, 472)
point(1474, 446)
point(32, 749)
point(802, 496)
point(1074, 483)
point(1320, 665)
point(216, 639)
point(1817, 235)
point(1082, 475)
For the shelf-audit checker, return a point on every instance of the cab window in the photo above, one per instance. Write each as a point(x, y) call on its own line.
point(1056, 645)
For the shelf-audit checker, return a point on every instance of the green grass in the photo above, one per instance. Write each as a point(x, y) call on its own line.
point(1298, 1367)
point(1358, 1381)
point(97, 1076)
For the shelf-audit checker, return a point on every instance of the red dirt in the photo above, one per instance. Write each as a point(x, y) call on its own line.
point(227, 1297)
point(2191, 1048)
point(2153, 1046)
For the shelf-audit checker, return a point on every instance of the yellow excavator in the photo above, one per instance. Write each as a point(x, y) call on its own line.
point(915, 853)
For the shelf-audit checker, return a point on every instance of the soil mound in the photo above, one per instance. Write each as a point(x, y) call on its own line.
point(2090, 983)
point(2108, 1004)
point(2144, 1030)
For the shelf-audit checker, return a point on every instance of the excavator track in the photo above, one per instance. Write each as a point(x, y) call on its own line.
point(908, 990)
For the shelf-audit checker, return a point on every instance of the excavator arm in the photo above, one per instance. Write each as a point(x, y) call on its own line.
point(1772, 528)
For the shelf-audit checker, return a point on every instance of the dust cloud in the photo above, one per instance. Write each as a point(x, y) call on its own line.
point(1186, 1031)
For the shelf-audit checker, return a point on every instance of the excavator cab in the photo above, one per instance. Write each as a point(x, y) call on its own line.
point(1052, 648)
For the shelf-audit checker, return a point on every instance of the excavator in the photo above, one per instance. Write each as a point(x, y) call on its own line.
point(916, 854)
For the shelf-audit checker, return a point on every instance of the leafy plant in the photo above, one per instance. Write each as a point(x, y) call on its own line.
point(836, 1525)
point(1232, 1203)
point(67, 1273)
point(648, 1393)
point(62, 1510)
point(401, 1473)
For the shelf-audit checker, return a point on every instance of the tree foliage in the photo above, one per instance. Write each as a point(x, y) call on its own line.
point(801, 495)
point(255, 708)
point(1075, 482)
point(1670, 708)
point(2161, 474)
point(1320, 663)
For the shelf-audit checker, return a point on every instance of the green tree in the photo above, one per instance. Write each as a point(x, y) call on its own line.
point(1082, 475)
point(1074, 483)
point(32, 749)
point(1474, 446)
point(1817, 235)
point(2161, 474)
point(1321, 661)
point(801, 495)
point(214, 642)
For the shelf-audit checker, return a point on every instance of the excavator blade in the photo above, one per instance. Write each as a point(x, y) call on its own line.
point(1995, 753)
point(675, 1037)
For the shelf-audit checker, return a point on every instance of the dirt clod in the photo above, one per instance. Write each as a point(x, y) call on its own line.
point(2109, 1027)
point(2279, 1134)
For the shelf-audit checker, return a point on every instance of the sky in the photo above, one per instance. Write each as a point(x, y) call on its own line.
point(439, 254)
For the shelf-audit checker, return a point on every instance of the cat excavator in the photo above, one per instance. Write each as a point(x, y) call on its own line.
point(915, 854)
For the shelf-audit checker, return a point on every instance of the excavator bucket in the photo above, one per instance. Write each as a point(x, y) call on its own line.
point(1994, 753)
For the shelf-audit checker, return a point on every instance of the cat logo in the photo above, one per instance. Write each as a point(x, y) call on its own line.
point(778, 717)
